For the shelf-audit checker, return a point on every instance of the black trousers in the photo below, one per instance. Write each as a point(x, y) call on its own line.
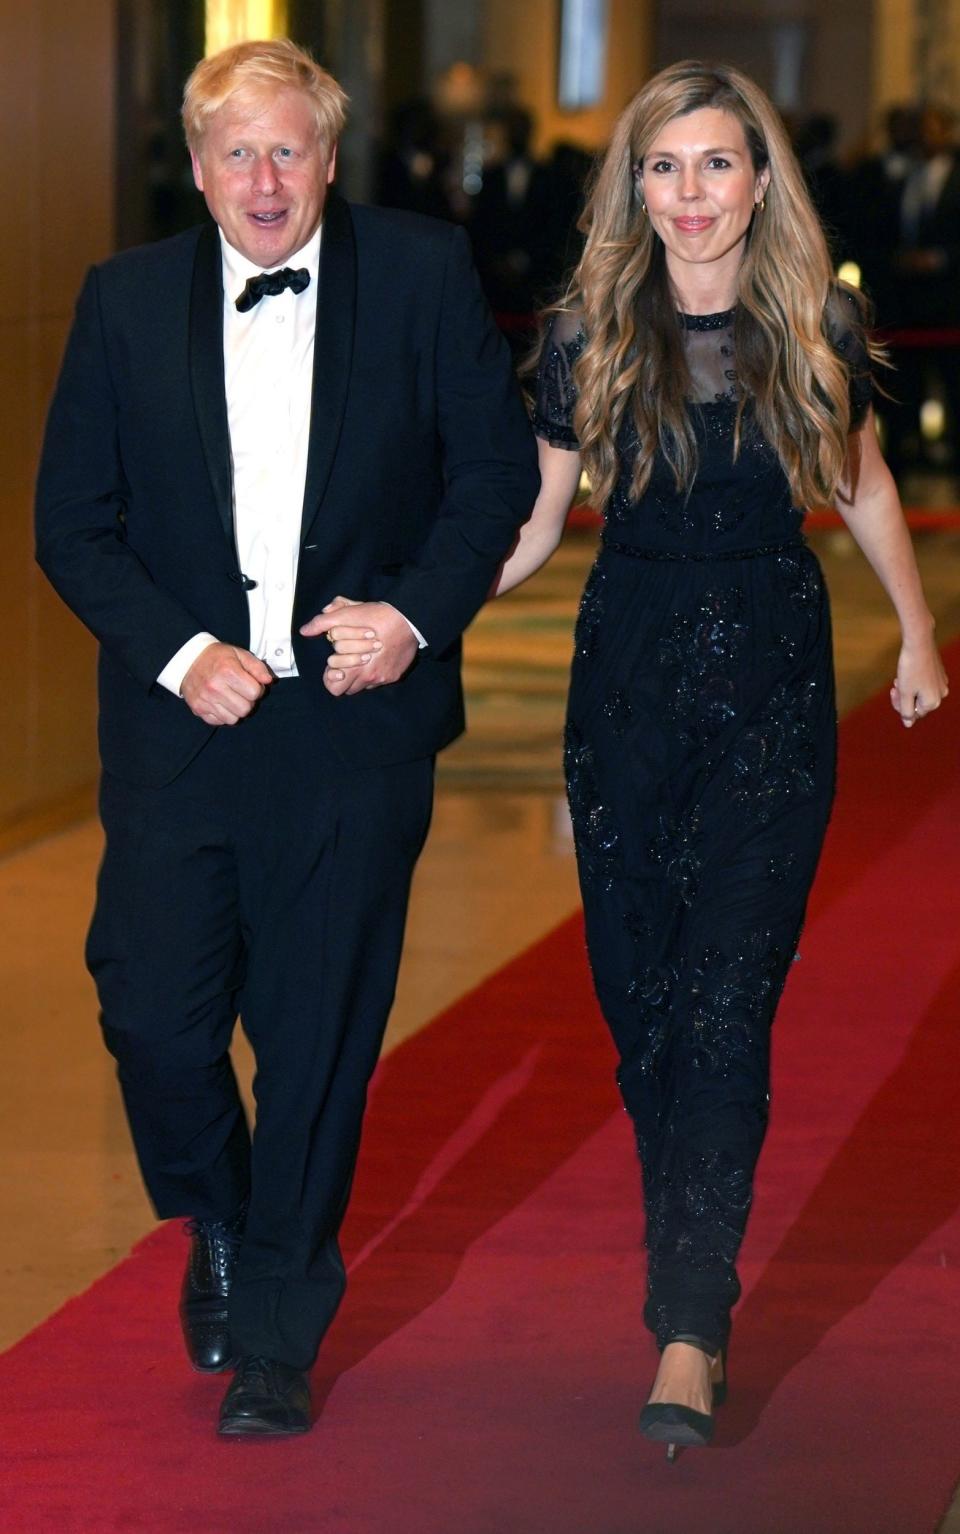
point(700, 759)
point(271, 882)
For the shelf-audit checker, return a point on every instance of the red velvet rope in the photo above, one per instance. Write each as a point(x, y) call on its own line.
point(946, 336)
point(920, 519)
point(920, 336)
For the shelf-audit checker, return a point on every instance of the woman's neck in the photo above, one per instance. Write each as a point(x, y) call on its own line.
point(707, 300)
point(707, 288)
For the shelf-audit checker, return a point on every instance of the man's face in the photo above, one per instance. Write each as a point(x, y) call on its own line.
point(264, 173)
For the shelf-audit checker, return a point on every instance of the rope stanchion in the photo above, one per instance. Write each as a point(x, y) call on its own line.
point(924, 519)
point(515, 324)
point(941, 338)
point(920, 519)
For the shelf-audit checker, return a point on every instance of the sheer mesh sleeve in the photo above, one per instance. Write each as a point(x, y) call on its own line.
point(845, 329)
point(556, 396)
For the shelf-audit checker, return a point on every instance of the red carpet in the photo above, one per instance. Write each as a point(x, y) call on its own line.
point(486, 1370)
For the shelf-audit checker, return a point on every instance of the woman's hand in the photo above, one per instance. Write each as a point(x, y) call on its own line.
point(376, 649)
point(354, 646)
point(870, 506)
point(921, 682)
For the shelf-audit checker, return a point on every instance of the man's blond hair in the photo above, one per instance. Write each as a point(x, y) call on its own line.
point(257, 69)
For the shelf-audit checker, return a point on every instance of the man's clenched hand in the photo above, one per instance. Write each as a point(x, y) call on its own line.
point(224, 683)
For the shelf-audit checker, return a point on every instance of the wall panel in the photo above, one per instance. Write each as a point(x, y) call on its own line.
point(56, 113)
point(523, 40)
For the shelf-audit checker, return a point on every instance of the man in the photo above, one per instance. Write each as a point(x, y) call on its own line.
point(513, 227)
point(298, 400)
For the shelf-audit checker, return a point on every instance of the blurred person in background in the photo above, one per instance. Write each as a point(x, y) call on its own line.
point(569, 168)
point(815, 145)
point(414, 163)
point(512, 222)
point(871, 224)
point(922, 286)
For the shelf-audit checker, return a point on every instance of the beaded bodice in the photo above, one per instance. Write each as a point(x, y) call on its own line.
point(739, 499)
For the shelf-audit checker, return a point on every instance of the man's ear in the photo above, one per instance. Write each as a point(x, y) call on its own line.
point(197, 170)
point(331, 166)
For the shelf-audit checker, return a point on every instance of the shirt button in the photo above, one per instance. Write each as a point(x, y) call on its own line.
point(281, 586)
point(278, 652)
point(281, 318)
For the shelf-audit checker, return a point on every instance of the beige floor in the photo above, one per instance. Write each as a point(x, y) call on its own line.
point(498, 873)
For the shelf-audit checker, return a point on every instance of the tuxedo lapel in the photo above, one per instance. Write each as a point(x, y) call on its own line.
point(206, 370)
point(332, 352)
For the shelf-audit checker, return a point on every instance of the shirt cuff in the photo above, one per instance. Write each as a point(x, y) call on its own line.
point(421, 642)
point(173, 673)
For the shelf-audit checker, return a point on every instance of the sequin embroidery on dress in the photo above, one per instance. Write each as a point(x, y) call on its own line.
point(701, 653)
point(594, 827)
point(700, 758)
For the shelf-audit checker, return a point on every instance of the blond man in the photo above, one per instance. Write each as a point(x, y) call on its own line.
point(300, 401)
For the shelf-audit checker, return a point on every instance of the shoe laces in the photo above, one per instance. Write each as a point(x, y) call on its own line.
point(230, 1232)
point(255, 1370)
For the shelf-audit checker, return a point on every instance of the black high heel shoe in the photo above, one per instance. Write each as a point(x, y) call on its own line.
point(681, 1426)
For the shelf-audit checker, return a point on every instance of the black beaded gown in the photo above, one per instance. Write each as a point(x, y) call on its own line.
point(700, 762)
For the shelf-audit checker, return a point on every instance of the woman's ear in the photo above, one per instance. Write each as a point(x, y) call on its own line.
point(637, 172)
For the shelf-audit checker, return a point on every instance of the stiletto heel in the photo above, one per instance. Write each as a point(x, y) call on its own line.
point(681, 1427)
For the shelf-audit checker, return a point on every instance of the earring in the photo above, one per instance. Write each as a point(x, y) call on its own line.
point(761, 204)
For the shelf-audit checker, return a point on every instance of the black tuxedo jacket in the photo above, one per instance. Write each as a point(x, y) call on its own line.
point(421, 466)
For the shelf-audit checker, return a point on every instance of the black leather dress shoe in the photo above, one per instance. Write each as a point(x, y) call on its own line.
point(203, 1298)
point(266, 1398)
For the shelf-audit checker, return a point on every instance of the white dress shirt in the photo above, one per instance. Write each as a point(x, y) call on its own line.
point(268, 373)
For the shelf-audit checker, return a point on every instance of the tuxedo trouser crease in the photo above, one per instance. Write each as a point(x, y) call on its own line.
point(269, 881)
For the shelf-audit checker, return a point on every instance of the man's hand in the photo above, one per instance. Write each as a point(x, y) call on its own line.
point(224, 683)
point(375, 648)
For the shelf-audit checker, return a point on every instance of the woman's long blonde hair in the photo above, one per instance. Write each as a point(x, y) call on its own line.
point(633, 356)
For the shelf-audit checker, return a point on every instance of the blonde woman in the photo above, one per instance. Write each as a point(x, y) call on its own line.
point(714, 381)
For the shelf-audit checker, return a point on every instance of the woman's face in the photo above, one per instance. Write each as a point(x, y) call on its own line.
point(700, 188)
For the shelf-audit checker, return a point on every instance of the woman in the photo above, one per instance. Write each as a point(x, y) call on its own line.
point(714, 381)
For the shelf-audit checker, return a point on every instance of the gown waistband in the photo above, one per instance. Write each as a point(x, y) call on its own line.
point(704, 558)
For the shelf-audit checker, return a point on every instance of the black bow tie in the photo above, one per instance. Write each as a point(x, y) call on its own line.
point(270, 284)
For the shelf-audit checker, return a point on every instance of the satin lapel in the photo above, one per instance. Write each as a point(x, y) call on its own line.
point(332, 352)
point(206, 370)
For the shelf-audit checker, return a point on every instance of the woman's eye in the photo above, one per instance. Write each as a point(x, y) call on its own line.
point(717, 162)
point(661, 167)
